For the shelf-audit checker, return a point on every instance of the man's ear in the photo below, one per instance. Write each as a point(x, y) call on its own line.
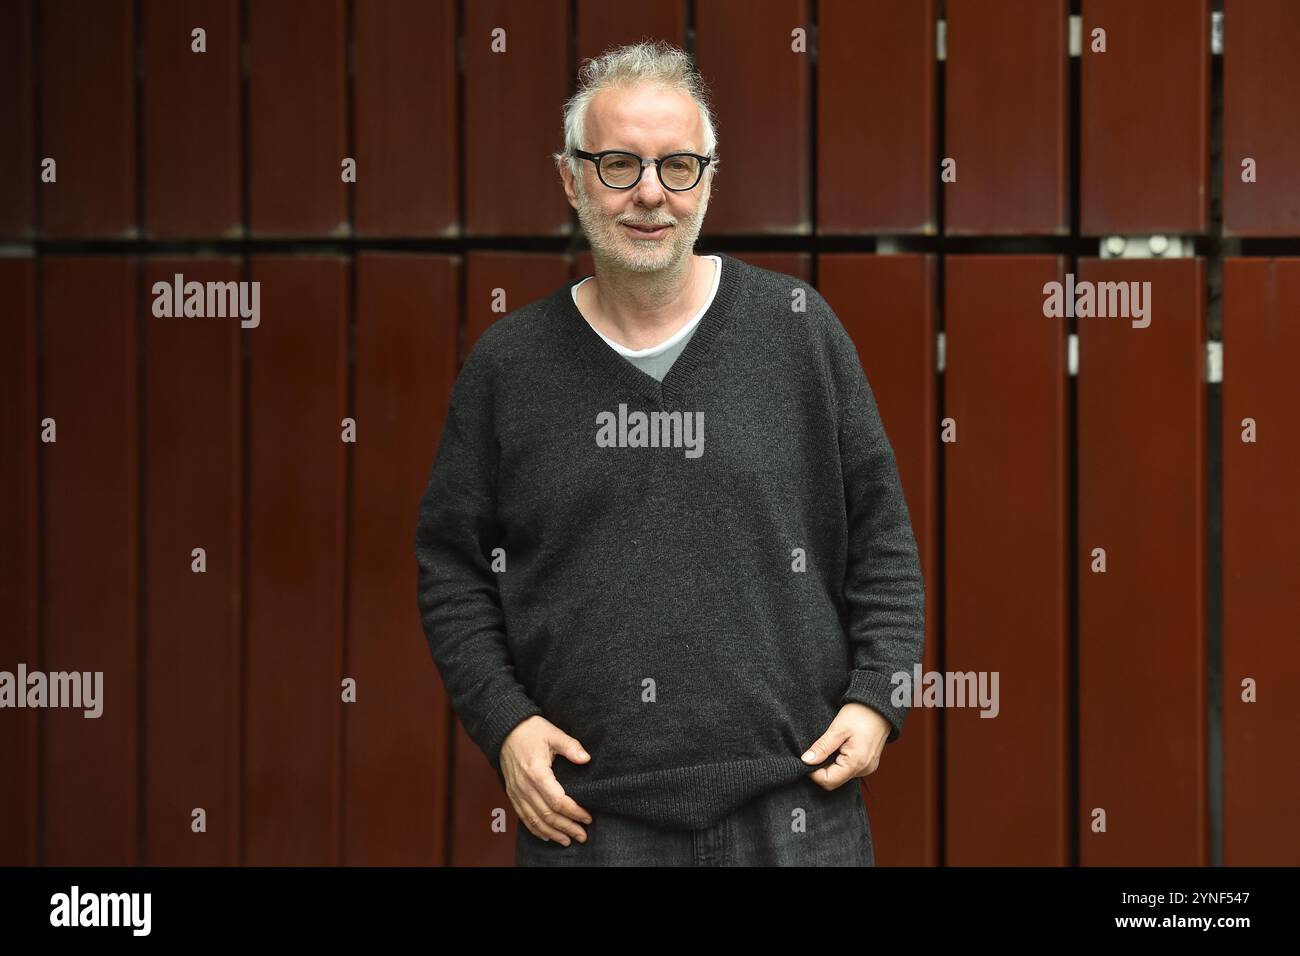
point(566, 178)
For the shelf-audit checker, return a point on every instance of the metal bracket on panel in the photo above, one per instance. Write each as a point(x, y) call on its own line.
point(887, 246)
point(1214, 362)
point(1076, 35)
point(940, 352)
point(1072, 354)
point(1158, 246)
point(1216, 33)
point(941, 40)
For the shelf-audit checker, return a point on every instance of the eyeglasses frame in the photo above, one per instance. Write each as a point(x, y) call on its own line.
point(597, 157)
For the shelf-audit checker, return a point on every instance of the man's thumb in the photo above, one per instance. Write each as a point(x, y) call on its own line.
point(825, 745)
point(569, 748)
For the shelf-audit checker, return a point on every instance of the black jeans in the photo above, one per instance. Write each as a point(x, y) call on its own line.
point(770, 830)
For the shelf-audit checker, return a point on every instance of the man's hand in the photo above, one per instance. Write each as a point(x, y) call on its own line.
point(531, 786)
point(859, 733)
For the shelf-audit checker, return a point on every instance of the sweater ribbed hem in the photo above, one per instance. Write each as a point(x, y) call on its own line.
point(682, 798)
point(875, 690)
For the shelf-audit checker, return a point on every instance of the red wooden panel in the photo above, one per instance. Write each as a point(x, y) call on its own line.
point(297, 104)
point(1007, 563)
point(887, 305)
point(796, 264)
point(192, 620)
point(398, 733)
point(193, 141)
point(602, 25)
point(405, 118)
point(1144, 131)
point(18, 171)
point(87, 103)
point(522, 278)
point(875, 117)
point(476, 798)
point(293, 652)
point(744, 46)
point(1141, 637)
point(1261, 785)
point(19, 554)
point(506, 280)
point(1006, 117)
point(1261, 86)
point(91, 528)
point(513, 103)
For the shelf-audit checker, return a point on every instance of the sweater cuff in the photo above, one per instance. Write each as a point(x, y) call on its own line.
point(502, 719)
point(875, 690)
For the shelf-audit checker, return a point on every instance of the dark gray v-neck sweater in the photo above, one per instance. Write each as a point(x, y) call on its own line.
point(693, 600)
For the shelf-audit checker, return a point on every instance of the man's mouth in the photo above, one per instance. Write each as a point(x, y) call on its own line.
point(646, 231)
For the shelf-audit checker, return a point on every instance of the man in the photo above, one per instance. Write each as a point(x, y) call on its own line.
point(664, 538)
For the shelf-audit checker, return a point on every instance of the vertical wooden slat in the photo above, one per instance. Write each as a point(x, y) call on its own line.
point(795, 264)
point(193, 137)
point(293, 654)
point(1005, 120)
point(1007, 563)
point(398, 732)
point(887, 305)
point(18, 169)
point(875, 117)
point(1141, 647)
point(87, 103)
point(1144, 136)
point(476, 798)
point(91, 558)
point(297, 119)
point(19, 554)
point(1261, 523)
point(406, 131)
point(192, 479)
point(743, 46)
point(1261, 87)
point(602, 25)
point(513, 103)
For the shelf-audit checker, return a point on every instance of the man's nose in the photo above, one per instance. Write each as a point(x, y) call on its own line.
point(649, 190)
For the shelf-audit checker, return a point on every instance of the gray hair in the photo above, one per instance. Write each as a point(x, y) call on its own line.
point(650, 61)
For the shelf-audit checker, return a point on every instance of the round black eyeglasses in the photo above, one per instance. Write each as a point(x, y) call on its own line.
point(619, 169)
